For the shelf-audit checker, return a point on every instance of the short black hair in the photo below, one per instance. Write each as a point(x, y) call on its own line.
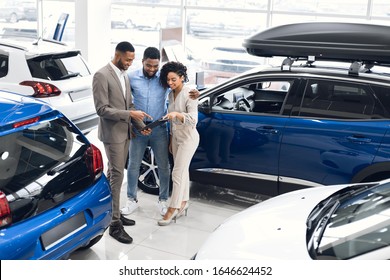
point(124, 47)
point(172, 66)
point(152, 53)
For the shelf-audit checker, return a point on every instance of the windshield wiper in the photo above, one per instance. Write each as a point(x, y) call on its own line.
point(317, 211)
point(340, 195)
point(324, 222)
point(70, 75)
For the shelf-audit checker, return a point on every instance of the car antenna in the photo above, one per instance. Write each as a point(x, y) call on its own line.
point(37, 41)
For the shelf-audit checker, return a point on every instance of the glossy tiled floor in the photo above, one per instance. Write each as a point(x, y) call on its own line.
point(209, 206)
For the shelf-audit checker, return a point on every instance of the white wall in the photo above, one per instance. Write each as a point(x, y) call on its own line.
point(93, 26)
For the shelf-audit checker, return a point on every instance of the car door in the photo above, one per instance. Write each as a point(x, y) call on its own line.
point(241, 134)
point(331, 136)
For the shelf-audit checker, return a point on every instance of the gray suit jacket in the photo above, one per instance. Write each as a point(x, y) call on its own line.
point(112, 107)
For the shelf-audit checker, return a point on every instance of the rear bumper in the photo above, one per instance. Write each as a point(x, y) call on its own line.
point(24, 240)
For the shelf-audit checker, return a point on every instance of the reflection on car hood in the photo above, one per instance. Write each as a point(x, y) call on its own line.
point(14, 107)
point(273, 229)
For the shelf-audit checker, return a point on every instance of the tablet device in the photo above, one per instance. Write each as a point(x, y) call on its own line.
point(155, 123)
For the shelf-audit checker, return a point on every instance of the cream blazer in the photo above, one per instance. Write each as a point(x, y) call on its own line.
point(189, 108)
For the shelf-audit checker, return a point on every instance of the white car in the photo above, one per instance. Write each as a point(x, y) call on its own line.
point(52, 72)
point(228, 60)
point(329, 222)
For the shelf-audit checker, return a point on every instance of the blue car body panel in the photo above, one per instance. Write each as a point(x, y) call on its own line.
point(328, 151)
point(248, 143)
point(23, 240)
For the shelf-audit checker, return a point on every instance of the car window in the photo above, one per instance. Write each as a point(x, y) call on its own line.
point(257, 97)
point(383, 109)
point(3, 65)
point(58, 67)
point(337, 100)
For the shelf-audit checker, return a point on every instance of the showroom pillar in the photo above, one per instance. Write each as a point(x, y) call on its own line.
point(93, 31)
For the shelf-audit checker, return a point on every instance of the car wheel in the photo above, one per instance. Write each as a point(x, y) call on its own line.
point(13, 18)
point(148, 179)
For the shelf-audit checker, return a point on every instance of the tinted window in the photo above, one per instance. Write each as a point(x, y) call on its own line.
point(383, 94)
point(58, 67)
point(337, 100)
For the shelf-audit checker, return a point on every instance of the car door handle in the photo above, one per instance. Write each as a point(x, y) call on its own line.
point(359, 139)
point(267, 130)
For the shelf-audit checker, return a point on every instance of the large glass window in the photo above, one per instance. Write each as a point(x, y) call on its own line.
point(381, 8)
point(19, 18)
point(206, 24)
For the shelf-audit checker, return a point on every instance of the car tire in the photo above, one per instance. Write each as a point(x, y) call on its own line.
point(13, 18)
point(148, 180)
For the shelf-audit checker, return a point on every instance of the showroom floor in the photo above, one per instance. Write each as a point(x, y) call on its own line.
point(209, 206)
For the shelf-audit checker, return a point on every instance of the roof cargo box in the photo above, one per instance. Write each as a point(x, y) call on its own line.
point(324, 40)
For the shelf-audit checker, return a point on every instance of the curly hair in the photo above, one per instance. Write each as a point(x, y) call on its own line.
point(172, 66)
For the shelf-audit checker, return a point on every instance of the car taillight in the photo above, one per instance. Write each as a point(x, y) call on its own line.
point(5, 212)
point(25, 122)
point(42, 89)
point(94, 161)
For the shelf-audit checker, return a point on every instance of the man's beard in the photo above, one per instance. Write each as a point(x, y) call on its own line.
point(121, 66)
point(146, 74)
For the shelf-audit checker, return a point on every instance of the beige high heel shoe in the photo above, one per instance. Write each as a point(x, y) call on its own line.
point(169, 220)
point(183, 210)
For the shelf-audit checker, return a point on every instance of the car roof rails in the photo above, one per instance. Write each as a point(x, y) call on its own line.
point(354, 69)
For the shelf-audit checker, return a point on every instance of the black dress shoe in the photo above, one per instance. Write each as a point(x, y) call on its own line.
point(118, 232)
point(126, 221)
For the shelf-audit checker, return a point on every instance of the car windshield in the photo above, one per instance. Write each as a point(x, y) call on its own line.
point(350, 223)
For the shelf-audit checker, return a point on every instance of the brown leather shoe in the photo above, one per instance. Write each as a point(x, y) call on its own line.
point(126, 221)
point(118, 232)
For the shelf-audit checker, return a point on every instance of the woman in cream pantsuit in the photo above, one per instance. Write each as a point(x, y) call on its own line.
point(184, 138)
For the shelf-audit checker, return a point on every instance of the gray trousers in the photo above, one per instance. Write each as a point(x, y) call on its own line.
point(116, 155)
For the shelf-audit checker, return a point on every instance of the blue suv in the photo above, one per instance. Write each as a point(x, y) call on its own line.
point(320, 117)
point(54, 197)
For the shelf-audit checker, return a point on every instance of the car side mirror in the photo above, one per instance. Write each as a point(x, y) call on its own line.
point(204, 106)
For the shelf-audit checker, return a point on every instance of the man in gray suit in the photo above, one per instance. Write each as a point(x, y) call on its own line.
point(113, 102)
